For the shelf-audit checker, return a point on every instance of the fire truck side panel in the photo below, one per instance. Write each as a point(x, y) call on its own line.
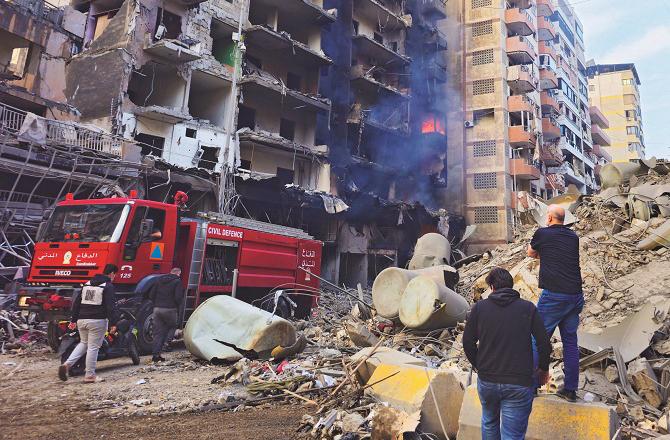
point(309, 259)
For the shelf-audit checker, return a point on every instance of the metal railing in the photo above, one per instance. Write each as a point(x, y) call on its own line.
point(68, 134)
point(40, 8)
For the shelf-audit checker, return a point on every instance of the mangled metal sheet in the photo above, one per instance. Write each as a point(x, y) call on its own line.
point(632, 335)
point(223, 328)
point(537, 209)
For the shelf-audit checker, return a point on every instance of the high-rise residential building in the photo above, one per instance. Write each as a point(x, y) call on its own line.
point(614, 88)
point(326, 115)
point(522, 76)
point(601, 140)
point(575, 143)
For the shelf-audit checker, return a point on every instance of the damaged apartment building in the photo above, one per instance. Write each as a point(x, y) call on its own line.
point(387, 134)
point(329, 114)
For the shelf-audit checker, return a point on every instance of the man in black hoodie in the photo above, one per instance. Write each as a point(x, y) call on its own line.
point(91, 312)
point(503, 325)
point(167, 294)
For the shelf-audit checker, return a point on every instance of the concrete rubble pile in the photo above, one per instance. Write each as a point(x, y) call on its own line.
point(625, 264)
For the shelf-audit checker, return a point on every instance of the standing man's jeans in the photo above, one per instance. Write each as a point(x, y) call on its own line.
point(562, 310)
point(91, 335)
point(165, 320)
point(514, 402)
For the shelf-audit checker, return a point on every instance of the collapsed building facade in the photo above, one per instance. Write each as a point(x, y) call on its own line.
point(328, 115)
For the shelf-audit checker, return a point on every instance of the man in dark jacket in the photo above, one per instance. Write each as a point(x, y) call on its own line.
point(91, 312)
point(167, 294)
point(562, 300)
point(503, 325)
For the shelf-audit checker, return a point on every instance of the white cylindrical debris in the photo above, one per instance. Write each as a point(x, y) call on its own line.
point(391, 282)
point(426, 305)
point(431, 249)
point(657, 238)
point(615, 174)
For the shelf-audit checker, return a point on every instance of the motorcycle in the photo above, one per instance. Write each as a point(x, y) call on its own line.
point(122, 342)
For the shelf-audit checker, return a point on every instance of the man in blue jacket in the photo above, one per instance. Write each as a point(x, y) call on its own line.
point(497, 342)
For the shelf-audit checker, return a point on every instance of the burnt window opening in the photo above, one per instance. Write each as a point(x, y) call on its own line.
point(246, 118)
point(168, 25)
point(394, 46)
point(253, 62)
point(157, 84)
point(208, 158)
point(285, 176)
point(223, 46)
point(379, 38)
point(151, 144)
point(191, 133)
point(208, 98)
point(14, 56)
point(245, 164)
point(293, 81)
point(355, 24)
point(287, 129)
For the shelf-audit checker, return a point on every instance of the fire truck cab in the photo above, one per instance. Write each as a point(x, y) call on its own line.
point(218, 254)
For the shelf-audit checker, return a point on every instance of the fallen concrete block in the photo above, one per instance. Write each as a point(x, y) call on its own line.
point(552, 418)
point(392, 424)
point(644, 381)
point(360, 335)
point(436, 394)
point(382, 355)
point(225, 328)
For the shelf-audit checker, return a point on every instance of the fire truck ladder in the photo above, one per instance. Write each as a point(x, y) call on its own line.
point(192, 292)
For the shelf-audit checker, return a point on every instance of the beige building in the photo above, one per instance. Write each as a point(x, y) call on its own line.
point(614, 88)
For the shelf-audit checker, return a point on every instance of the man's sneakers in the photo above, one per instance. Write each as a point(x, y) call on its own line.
point(568, 395)
point(93, 379)
point(157, 359)
point(62, 372)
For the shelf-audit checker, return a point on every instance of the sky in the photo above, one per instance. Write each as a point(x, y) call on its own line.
point(635, 31)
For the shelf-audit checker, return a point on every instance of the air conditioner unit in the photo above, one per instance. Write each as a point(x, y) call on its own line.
point(468, 124)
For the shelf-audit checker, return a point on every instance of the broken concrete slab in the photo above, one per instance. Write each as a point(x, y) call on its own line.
point(382, 355)
point(657, 238)
point(644, 381)
point(223, 327)
point(632, 335)
point(392, 424)
point(360, 335)
point(426, 390)
point(551, 418)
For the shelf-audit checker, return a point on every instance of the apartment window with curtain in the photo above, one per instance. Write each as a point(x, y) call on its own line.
point(633, 130)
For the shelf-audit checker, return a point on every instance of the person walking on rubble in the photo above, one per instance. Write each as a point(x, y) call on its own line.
point(498, 343)
point(167, 294)
point(562, 299)
point(91, 312)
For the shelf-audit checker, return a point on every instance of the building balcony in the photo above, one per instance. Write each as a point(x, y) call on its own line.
point(380, 52)
point(521, 169)
point(437, 41)
point(282, 44)
point(551, 154)
point(191, 3)
point(174, 51)
point(548, 78)
point(598, 118)
point(546, 30)
point(519, 21)
point(522, 79)
point(555, 182)
point(547, 48)
point(436, 72)
point(263, 84)
point(545, 8)
point(550, 129)
point(520, 50)
point(433, 9)
point(519, 103)
point(163, 114)
point(602, 153)
point(599, 136)
point(521, 137)
point(301, 11)
point(549, 103)
point(524, 4)
point(362, 77)
point(376, 12)
point(274, 140)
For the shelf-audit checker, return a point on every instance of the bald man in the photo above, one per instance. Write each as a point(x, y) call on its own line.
point(562, 299)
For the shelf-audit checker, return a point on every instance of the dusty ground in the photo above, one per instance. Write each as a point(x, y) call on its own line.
point(34, 404)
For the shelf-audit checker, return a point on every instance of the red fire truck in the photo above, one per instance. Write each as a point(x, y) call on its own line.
point(218, 254)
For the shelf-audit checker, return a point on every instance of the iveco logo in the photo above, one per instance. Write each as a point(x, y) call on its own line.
point(63, 273)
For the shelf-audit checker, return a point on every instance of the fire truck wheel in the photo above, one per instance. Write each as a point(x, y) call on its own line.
point(145, 337)
point(54, 334)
